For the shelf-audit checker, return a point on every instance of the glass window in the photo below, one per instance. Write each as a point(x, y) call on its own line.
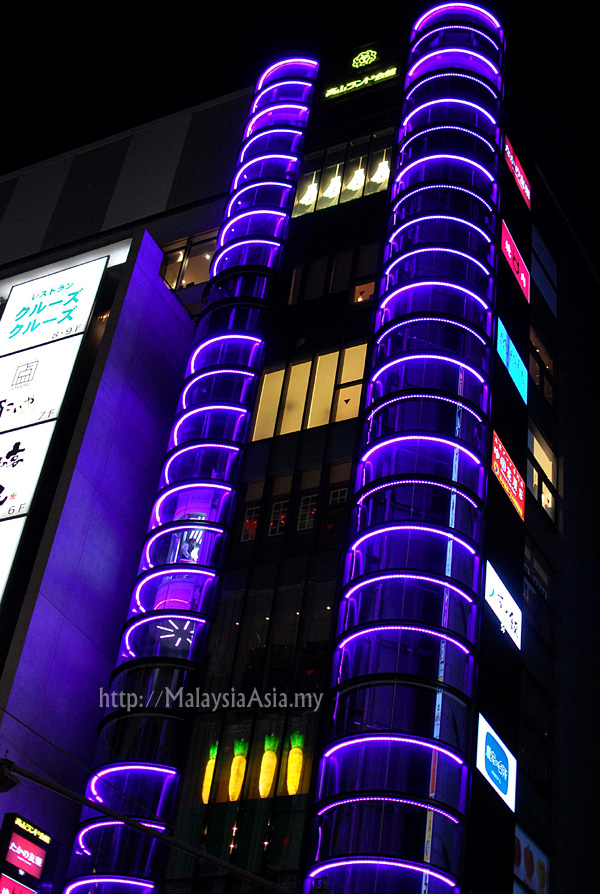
point(338, 495)
point(295, 398)
point(196, 267)
point(355, 173)
point(368, 257)
point(315, 279)
point(340, 275)
point(331, 179)
point(542, 470)
point(347, 403)
point(353, 363)
point(295, 284)
point(541, 365)
point(322, 393)
point(379, 162)
point(268, 404)
point(306, 516)
point(278, 517)
point(250, 523)
point(308, 186)
point(363, 292)
point(172, 262)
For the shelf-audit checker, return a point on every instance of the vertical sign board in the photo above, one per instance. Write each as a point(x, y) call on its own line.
point(23, 855)
point(517, 171)
point(503, 605)
point(506, 472)
point(41, 331)
point(496, 762)
point(531, 863)
point(511, 359)
point(516, 262)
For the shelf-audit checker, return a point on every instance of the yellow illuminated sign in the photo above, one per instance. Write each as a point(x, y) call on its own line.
point(37, 833)
point(358, 84)
point(364, 58)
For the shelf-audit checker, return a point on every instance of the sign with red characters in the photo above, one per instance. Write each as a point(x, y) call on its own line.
point(506, 472)
point(517, 171)
point(513, 256)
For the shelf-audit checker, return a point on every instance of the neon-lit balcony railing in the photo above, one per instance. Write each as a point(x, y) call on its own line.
point(164, 637)
point(408, 615)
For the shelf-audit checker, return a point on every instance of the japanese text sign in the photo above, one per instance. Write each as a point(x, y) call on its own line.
point(26, 855)
point(22, 455)
point(496, 762)
point(512, 360)
point(10, 886)
point(506, 472)
point(50, 308)
point(517, 171)
point(513, 256)
point(503, 605)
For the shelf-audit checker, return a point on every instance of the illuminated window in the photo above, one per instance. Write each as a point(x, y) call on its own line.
point(187, 261)
point(363, 292)
point(250, 523)
point(541, 366)
point(308, 509)
point(278, 517)
point(355, 173)
point(335, 381)
point(542, 471)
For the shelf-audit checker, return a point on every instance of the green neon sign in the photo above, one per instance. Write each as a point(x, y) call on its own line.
point(358, 84)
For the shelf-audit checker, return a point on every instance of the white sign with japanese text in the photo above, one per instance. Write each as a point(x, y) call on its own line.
point(33, 382)
point(51, 307)
point(22, 455)
point(496, 762)
point(503, 605)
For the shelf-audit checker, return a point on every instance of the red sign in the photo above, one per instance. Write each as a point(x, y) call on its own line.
point(10, 886)
point(506, 472)
point(517, 171)
point(26, 855)
point(513, 256)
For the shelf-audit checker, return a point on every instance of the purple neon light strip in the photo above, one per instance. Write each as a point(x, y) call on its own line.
point(275, 85)
point(409, 482)
point(394, 738)
point(206, 409)
point(451, 74)
point(92, 827)
point(454, 27)
point(401, 575)
point(254, 213)
point(469, 53)
point(405, 358)
point(189, 571)
point(297, 107)
point(432, 282)
point(259, 184)
point(445, 320)
point(447, 100)
point(431, 529)
point(127, 767)
point(379, 861)
point(154, 619)
point(443, 157)
point(387, 798)
point(413, 222)
point(413, 192)
point(410, 628)
point(423, 395)
point(212, 485)
point(431, 438)
point(267, 135)
point(470, 7)
point(214, 372)
point(191, 525)
point(200, 446)
point(225, 337)
point(93, 880)
point(273, 156)
point(241, 244)
point(446, 127)
point(436, 248)
point(310, 63)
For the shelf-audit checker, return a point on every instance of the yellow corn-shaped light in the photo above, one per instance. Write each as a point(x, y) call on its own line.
point(208, 773)
point(238, 769)
point(295, 761)
point(268, 765)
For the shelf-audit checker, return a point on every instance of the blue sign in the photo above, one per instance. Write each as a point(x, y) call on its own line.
point(496, 763)
point(511, 359)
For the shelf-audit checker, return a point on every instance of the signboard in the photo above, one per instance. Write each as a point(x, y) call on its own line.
point(531, 863)
point(10, 886)
point(31, 830)
point(22, 455)
point(33, 383)
point(512, 360)
point(517, 264)
point(358, 83)
point(506, 472)
point(50, 308)
point(26, 855)
point(503, 605)
point(517, 171)
point(496, 762)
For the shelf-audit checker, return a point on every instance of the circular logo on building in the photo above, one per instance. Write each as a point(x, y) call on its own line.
point(364, 58)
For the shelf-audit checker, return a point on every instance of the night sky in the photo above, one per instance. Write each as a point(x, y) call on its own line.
point(65, 88)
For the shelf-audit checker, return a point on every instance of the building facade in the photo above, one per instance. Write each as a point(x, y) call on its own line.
point(281, 514)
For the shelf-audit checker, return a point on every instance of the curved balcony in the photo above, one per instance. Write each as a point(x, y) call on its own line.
point(201, 460)
point(164, 635)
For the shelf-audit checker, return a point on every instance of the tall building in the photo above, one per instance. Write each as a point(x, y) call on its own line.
point(288, 564)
